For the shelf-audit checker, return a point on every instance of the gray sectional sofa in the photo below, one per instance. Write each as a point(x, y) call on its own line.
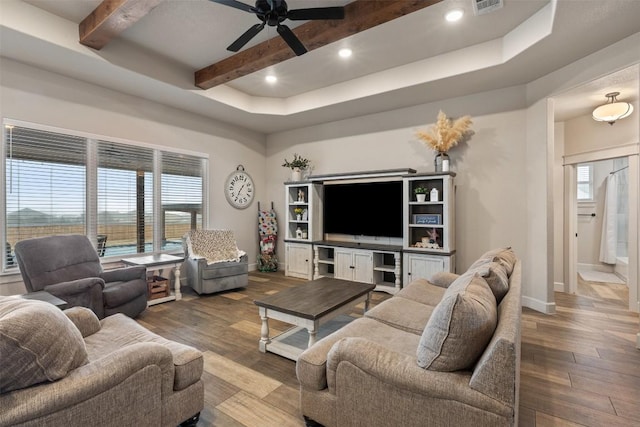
point(443, 351)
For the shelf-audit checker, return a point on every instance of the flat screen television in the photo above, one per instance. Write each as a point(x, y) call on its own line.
point(363, 209)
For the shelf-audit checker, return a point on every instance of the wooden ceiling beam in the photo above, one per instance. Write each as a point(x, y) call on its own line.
point(360, 15)
point(111, 18)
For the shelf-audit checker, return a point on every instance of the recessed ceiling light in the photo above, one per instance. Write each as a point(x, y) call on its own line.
point(271, 79)
point(345, 53)
point(454, 15)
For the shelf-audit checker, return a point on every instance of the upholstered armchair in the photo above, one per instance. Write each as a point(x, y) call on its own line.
point(213, 262)
point(69, 267)
point(81, 371)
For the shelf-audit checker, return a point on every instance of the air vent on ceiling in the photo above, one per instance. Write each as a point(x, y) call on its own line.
point(480, 7)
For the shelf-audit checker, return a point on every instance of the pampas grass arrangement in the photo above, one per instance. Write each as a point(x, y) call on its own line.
point(446, 133)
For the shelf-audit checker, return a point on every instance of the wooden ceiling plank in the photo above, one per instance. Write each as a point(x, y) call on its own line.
point(111, 18)
point(360, 15)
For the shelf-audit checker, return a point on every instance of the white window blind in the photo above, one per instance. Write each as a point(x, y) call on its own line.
point(585, 182)
point(125, 198)
point(45, 177)
point(181, 196)
point(55, 183)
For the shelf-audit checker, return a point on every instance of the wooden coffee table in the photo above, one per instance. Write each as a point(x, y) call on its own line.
point(307, 307)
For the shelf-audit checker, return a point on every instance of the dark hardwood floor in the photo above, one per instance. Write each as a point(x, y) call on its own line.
point(579, 367)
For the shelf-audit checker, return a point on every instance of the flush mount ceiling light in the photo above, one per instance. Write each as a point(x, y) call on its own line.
point(612, 110)
point(271, 79)
point(454, 15)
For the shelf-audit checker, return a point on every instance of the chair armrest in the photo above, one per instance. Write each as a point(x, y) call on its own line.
point(84, 319)
point(124, 274)
point(74, 287)
point(402, 372)
point(107, 374)
point(443, 279)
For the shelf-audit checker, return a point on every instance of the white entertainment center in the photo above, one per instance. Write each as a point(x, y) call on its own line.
point(424, 245)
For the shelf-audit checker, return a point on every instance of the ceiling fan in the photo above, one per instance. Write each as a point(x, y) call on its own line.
point(272, 13)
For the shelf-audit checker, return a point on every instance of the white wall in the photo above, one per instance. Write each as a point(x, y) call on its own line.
point(558, 203)
point(491, 185)
point(38, 96)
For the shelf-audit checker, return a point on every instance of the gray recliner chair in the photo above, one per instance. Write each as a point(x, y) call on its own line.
point(69, 267)
point(213, 262)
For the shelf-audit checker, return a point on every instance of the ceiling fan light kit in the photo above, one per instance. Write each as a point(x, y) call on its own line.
point(613, 110)
point(273, 13)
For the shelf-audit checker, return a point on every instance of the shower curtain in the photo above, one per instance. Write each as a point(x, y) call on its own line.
point(609, 238)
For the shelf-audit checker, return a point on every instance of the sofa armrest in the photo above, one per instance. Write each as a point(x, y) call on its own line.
point(84, 319)
point(93, 379)
point(402, 372)
point(125, 274)
point(443, 279)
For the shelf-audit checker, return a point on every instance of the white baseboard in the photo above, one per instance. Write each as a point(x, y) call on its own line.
point(538, 305)
point(560, 287)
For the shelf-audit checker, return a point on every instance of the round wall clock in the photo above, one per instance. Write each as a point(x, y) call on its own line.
point(239, 188)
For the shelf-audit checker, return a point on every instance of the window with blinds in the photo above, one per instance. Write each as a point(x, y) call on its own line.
point(585, 182)
point(127, 198)
point(181, 195)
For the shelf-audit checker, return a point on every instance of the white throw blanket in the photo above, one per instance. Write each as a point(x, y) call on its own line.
point(213, 245)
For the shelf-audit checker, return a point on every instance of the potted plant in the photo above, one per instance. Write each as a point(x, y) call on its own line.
point(445, 134)
point(298, 212)
point(421, 193)
point(297, 165)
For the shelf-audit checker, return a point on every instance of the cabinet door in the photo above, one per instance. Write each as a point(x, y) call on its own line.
point(363, 263)
point(423, 266)
point(343, 267)
point(298, 260)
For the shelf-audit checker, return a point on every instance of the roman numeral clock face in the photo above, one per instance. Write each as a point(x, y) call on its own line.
point(239, 189)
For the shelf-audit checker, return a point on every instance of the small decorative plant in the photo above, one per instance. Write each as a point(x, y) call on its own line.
point(298, 162)
point(298, 211)
point(420, 190)
point(446, 133)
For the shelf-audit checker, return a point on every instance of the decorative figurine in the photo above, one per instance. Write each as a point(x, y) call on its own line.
point(301, 195)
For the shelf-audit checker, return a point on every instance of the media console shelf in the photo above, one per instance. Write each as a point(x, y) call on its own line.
point(378, 264)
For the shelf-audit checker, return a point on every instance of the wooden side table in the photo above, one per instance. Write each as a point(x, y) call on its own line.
point(46, 297)
point(159, 262)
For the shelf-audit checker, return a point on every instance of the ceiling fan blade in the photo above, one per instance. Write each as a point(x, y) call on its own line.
point(294, 43)
point(316, 13)
point(244, 39)
point(236, 4)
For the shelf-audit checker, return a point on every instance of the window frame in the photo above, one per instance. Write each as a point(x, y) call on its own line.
point(91, 193)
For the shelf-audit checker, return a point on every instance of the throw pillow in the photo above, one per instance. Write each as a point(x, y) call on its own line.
point(443, 279)
point(505, 256)
point(460, 326)
point(495, 274)
point(37, 342)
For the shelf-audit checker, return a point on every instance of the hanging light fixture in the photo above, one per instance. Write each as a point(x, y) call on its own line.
point(612, 110)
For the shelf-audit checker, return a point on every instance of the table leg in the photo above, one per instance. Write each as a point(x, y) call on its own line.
point(312, 334)
point(366, 302)
point(264, 330)
point(177, 291)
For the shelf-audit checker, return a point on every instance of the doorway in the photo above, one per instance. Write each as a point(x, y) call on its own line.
point(583, 250)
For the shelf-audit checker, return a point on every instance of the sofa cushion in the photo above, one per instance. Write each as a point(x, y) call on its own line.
point(119, 331)
point(311, 367)
point(420, 290)
point(402, 313)
point(460, 326)
point(38, 343)
point(443, 279)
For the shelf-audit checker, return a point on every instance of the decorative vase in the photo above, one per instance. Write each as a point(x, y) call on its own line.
point(299, 217)
point(421, 197)
point(441, 162)
point(296, 174)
